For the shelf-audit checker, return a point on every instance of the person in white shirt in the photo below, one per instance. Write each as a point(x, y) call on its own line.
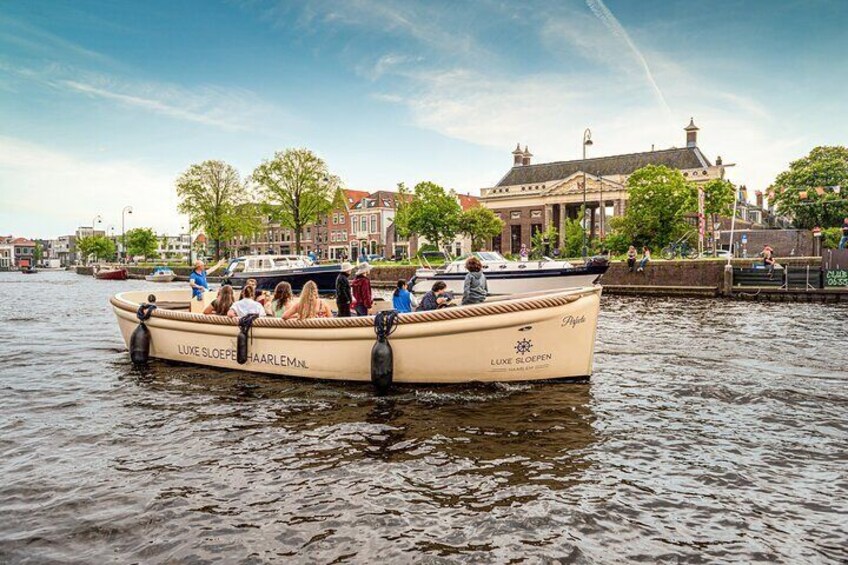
point(247, 305)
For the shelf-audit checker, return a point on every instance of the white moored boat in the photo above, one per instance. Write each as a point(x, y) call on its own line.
point(524, 338)
point(510, 277)
point(161, 274)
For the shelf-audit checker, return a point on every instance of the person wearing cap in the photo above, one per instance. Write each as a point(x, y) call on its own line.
point(362, 290)
point(343, 293)
point(197, 281)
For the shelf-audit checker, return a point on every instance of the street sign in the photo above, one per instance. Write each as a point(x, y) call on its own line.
point(836, 277)
point(744, 238)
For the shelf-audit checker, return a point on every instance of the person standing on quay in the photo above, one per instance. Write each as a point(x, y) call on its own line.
point(843, 241)
point(197, 281)
point(343, 293)
point(362, 290)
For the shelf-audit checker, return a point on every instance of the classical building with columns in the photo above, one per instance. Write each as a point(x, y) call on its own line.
point(531, 197)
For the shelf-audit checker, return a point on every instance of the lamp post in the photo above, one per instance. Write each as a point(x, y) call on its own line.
point(124, 212)
point(97, 220)
point(587, 141)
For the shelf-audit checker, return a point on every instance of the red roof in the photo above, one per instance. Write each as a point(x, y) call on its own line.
point(354, 196)
point(22, 241)
point(467, 201)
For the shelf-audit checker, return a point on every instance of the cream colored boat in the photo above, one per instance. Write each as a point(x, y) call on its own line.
point(529, 337)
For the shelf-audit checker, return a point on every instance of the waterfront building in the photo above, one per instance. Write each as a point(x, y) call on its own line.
point(7, 252)
point(531, 197)
point(338, 226)
point(174, 246)
point(24, 252)
point(370, 219)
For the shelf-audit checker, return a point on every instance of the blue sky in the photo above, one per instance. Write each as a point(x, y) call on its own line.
point(103, 104)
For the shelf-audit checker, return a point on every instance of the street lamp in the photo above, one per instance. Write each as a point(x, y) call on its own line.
point(98, 219)
point(124, 212)
point(587, 141)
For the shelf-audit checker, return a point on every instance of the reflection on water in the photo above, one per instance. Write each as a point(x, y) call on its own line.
point(710, 431)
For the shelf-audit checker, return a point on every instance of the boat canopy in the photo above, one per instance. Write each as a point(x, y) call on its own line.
point(162, 269)
point(260, 263)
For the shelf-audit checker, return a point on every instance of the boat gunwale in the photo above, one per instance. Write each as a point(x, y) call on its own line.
point(549, 299)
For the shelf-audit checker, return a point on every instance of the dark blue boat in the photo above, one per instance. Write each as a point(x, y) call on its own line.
point(269, 270)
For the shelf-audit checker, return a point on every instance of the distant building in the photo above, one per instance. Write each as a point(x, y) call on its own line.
point(174, 246)
point(531, 197)
point(24, 252)
point(7, 252)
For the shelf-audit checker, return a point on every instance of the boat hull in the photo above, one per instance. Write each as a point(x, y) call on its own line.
point(114, 275)
point(514, 282)
point(546, 337)
point(324, 277)
point(160, 278)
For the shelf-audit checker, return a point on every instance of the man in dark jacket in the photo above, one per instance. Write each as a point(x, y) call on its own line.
point(344, 296)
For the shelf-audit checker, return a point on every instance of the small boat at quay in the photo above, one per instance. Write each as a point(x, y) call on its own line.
point(161, 274)
point(509, 277)
point(110, 273)
point(29, 270)
point(268, 270)
point(536, 336)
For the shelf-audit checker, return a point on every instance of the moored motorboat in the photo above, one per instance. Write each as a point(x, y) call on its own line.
point(269, 270)
point(509, 277)
point(161, 274)
point(29, 270)
point(110, 273)
point(524, 338)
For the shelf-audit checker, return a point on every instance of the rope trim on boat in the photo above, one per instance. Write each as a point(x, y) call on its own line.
point(476, 310)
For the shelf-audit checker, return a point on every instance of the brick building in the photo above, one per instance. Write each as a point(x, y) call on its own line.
point(531, 197)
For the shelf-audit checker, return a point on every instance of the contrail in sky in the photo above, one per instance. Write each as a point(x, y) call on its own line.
point(609, 20)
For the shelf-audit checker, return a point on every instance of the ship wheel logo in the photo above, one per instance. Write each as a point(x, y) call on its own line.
point(523, 346)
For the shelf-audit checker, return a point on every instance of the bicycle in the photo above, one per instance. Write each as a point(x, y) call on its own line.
point(680, 248)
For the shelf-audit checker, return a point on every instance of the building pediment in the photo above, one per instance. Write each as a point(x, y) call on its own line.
point(574, 185)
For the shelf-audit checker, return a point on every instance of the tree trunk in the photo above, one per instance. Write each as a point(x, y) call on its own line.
point(297, 239)
point(217, 250)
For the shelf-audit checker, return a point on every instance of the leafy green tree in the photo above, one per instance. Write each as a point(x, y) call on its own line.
point(542, 242)
point(213, 196)
point(38, 252)
point(103, 248)
point(659, 198)
point(85, 248)
point(141, 241)
point(432, 213)
point(805, 191)
point(481, 225)
point(297, 189)
point(617, 241)
point(572, 245)
point(718, 198)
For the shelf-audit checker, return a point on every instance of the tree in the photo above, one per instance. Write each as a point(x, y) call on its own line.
point(432, 213)
point(806, 191)
point(38, 252)
point(718, 197)
point(141, 241)
point(297, 189)
point(85, 248)
point(572, 245)
point(542, 241)
point(100, 246)
point(659, 198)
point(211, 193)
point(480, 224)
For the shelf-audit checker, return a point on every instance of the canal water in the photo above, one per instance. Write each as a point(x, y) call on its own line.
point(711, 431)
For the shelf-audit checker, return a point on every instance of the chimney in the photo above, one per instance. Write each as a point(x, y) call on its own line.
point(517, 155)
point(759, 196)
point(525, 159)
point(691, 133)
point(718, 161)
point(743, 193)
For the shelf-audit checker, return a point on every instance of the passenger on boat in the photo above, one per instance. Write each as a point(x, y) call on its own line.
point(251, 283)
point(281, 301)
point(475, 289)
point(222, 304)
point(247, 305)
point(402, 300)
point(197, 281)
point(309, 306)
point(362, 290)
point(344, 296)
point(438, 297)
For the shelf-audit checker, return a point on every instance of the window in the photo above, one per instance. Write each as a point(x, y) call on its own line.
point(373, 223)
point(363, 226)
point(352, 223)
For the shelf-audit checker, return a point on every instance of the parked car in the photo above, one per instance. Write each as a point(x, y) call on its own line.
point(373, 258)
point(720, 253)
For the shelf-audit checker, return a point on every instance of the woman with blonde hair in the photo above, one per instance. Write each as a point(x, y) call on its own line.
point(281, 301)
point(222, 303)
point(309, 306)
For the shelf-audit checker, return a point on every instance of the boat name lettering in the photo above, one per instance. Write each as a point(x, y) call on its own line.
point(573, 321)
point(280, 360)
point(525, 360)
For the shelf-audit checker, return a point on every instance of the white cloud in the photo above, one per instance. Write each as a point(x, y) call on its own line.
point(47, 192)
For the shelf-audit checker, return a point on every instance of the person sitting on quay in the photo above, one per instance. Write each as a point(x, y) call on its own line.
point(246, 305)
point(768, 259)
point(362, 290)
point(475, 289)
point(344, 296)
point(281, 301)
point(402, 300)
point(436, 298)
point(309, 306)
point(222, 303)
point(843, 241)
point(646, 257)
point(631, 259)
point(197, 281)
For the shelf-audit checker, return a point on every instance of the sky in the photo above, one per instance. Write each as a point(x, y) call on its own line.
point(103, 104)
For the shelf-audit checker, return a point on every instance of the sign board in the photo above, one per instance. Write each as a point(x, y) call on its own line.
point(836, 277)
point(835, 259)
point(744, 238)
